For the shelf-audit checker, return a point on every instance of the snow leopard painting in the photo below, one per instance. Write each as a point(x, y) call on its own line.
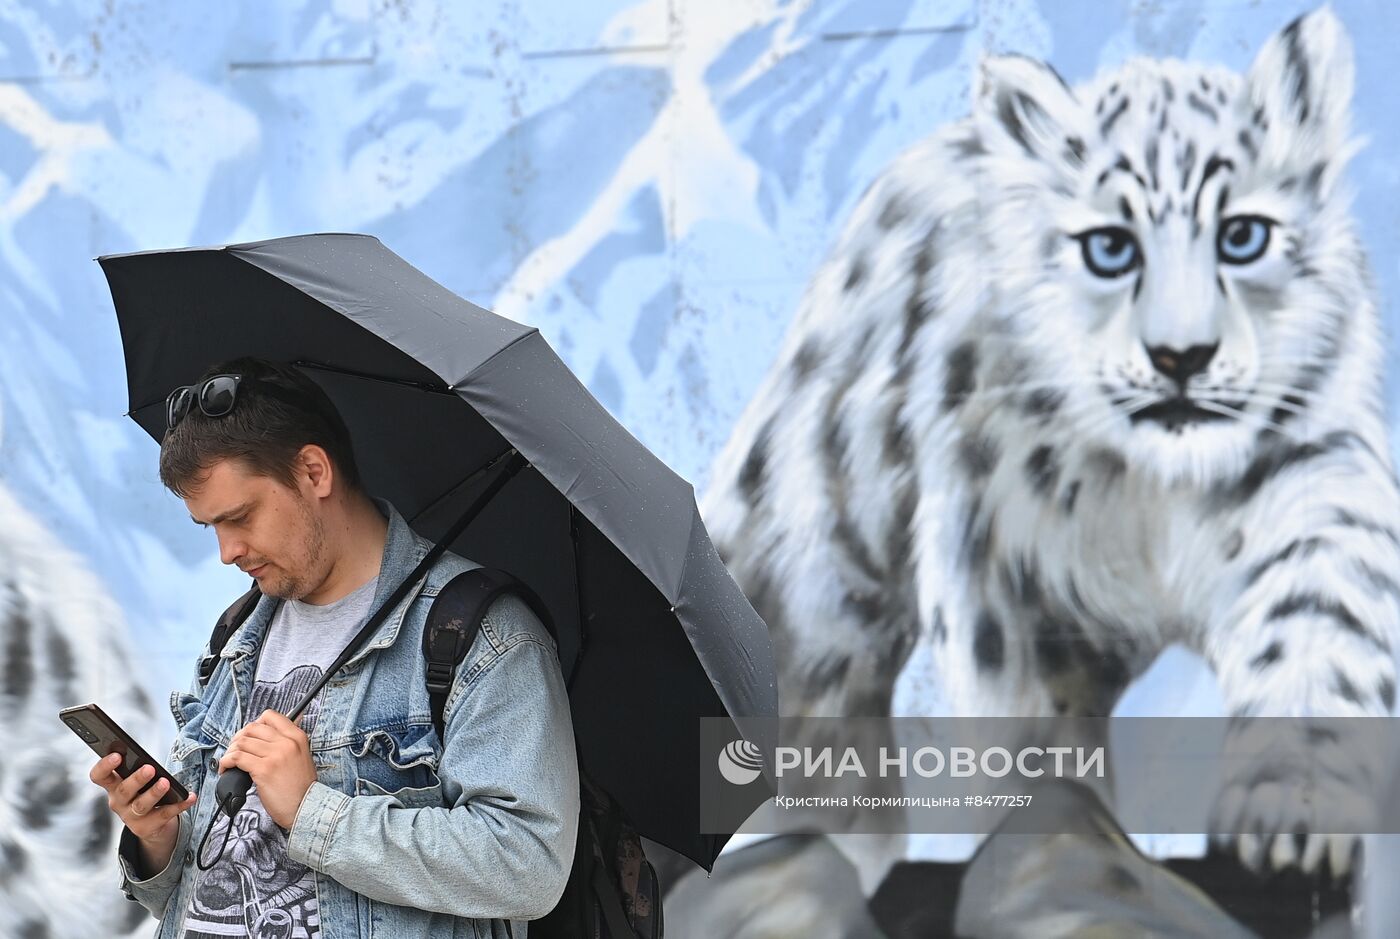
point(1093, 371)
point(63, 641)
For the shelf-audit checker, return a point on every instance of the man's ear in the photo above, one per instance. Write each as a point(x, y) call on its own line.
point(1300, 89)
point(1024, 108)
point(317, 468)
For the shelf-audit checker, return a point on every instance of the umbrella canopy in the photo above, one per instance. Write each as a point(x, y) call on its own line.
point(652, 630)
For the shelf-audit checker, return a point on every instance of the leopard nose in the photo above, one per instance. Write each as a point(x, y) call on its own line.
point(1180, 364)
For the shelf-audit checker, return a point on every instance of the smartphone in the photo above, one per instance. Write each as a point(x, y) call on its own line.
point(105, 736)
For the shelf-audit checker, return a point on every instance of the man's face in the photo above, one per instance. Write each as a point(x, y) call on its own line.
point(268, 530)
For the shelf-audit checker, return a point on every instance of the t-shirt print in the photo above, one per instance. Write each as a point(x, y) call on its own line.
point(255, 890)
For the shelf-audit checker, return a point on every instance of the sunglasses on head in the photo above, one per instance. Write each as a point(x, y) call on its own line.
point(215, 396)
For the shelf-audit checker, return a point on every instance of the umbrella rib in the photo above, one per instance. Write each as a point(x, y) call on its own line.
point(402, 382)
point(461, 383)
point(578, 594)
point(405, 382)
point(459, 485)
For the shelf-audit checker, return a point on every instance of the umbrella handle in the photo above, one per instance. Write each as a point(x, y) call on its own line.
point(232, 790)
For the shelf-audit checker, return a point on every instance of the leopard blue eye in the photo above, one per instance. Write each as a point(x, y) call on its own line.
point(1111, 251)
point(1243, 238)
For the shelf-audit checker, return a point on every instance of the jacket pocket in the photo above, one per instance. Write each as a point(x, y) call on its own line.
point(395, 758)
point(184, 706)
point(192, 743)
point(413, 797)
point(189, 757)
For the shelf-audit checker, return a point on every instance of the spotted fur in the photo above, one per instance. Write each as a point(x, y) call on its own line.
point(62, 642)
point(974, 446)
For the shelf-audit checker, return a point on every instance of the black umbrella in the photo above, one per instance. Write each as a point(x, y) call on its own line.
point(653, 632)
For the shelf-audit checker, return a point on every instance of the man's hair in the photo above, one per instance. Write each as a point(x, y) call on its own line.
point(265, 430)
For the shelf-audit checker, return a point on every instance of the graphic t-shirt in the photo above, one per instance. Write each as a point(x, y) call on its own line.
point(255, 890)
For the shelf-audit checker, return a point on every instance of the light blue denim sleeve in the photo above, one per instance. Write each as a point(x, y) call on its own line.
point(153, 892)
point(509, 772)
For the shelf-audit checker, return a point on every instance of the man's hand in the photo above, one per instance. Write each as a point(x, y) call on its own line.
point(275, 752)
point(156, 827)
point(137, 809)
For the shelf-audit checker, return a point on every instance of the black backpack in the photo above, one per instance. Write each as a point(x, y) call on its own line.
point(612, 891)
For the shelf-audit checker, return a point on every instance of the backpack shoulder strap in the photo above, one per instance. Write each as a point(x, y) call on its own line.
point(452, 625)
point(228, 623)
point(609, 902)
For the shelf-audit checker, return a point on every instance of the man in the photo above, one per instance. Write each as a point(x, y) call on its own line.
point(359, 819)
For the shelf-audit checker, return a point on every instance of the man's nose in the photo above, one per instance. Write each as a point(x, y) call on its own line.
point(1180, 364)
point(230, 551)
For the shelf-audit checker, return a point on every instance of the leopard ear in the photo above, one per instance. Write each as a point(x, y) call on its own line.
point(1024, 108)
point(1300, 89)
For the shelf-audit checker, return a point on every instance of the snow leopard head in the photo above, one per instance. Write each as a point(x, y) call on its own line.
point(1173, 241)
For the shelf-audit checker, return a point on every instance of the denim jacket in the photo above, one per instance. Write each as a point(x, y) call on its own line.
point(409, 837)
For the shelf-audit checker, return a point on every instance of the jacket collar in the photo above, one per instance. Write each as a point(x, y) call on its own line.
point(403, 549)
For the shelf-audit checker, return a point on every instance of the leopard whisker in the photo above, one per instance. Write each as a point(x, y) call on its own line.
point(1257, 420)
point(1276, 403)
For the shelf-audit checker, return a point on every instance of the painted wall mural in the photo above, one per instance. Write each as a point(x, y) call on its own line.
point(1089, 373)
point(1009, 343)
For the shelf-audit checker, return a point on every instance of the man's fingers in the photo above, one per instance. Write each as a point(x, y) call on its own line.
point(122, 796)
point(146, 801)
point(253, 748)
point(126, 799)
point(128, 788)
point(104, 771)
point(159, 814)
point(167, 812)
point(265, 732)
point(280, 723)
